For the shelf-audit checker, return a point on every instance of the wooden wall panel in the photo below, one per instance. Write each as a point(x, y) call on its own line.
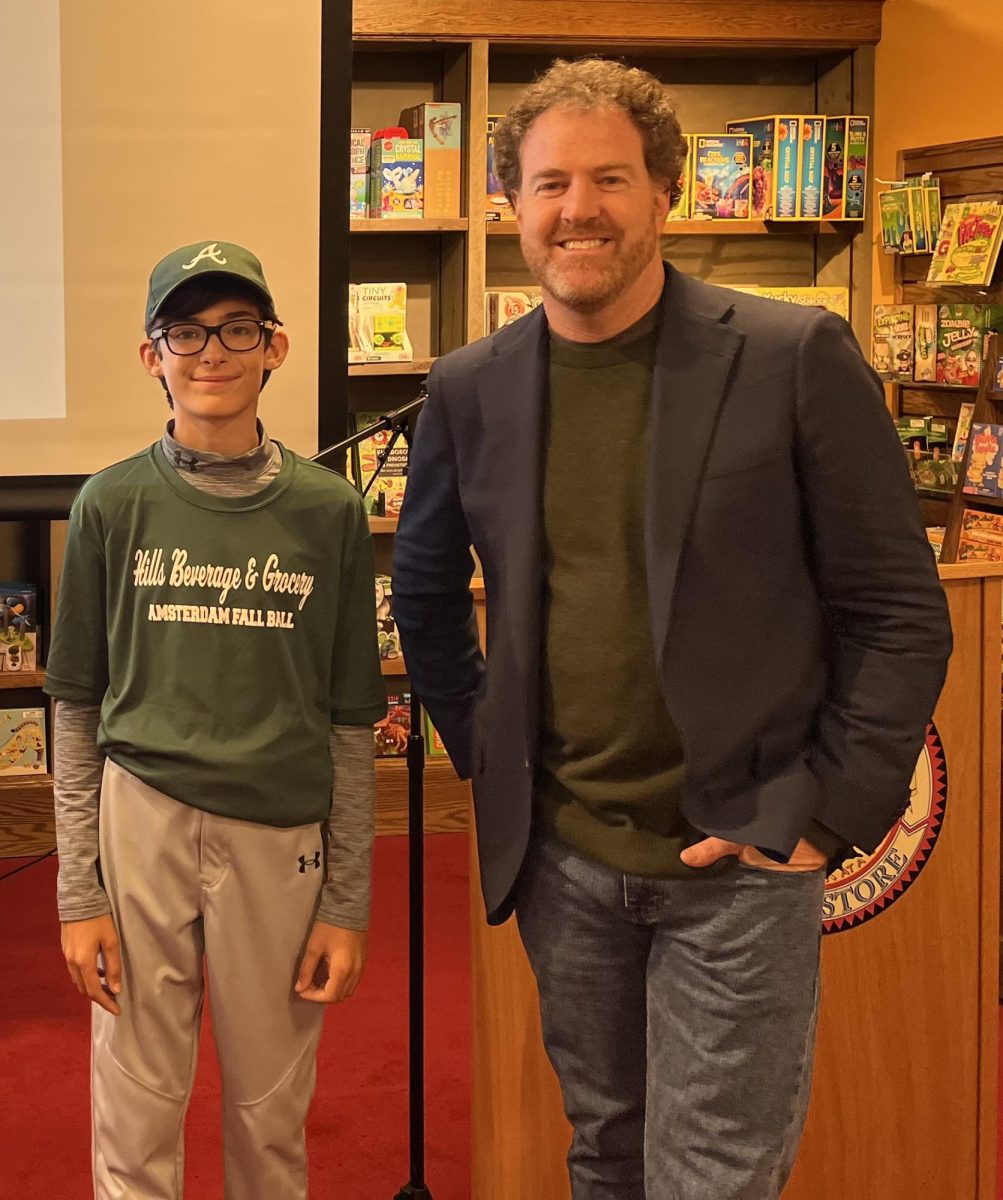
point(767, 23)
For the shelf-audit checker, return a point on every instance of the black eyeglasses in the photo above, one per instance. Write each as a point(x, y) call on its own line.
point(237, 336)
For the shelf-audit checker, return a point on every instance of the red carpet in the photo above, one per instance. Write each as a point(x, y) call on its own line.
point(358, 1124)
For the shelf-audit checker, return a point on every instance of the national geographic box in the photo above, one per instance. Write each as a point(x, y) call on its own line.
point(437, 126)
point(776, 162)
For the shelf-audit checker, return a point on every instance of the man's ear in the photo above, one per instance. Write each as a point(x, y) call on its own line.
point(150, 359)
point(277, 349)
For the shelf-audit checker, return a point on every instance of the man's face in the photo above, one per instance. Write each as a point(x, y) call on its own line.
point(589, 214)
point(215, 383)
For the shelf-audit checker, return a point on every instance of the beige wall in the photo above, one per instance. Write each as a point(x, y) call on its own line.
point(939, 78)
point(182, 121)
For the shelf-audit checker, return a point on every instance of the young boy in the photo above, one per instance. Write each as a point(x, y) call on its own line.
point(215, 666)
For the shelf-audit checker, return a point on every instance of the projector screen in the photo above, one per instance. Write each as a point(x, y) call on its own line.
point(130, 130)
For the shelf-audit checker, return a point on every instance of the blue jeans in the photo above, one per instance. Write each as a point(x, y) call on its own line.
point(679, 1015)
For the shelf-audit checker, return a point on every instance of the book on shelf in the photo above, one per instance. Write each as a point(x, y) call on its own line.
point(396, 177)
point(969, 243)
point(386, 496)
point(360, 142)
point(502, 306)
point(962, 429)
point(776, 162)
point(835, 299)
point(18, 626)
point(22, 742)
point(810, 176)
point(893, 341)
point(387, 633)
point(985, 461)
point(391, 734)
point(437, 125)
point(981, 536)
point(496, 205)
point(721, 176)
point(377, 323)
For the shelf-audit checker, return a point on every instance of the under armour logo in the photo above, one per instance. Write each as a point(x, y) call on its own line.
point(310, 862)
point(212, 252)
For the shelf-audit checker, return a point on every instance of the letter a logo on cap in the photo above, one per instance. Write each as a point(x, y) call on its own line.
point(212, 252)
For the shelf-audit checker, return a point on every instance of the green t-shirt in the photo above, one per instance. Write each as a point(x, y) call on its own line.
point(222, 636)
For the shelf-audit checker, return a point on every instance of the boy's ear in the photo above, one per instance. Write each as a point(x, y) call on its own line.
point(151, 359)
point(278, 348)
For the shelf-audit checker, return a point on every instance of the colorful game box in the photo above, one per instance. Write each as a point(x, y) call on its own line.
point(981, 536)
point(962, 430)
point(985, 459)
point(18, 626)
point(776, 160)
point(385, 497)
point(361, 143)
point(925, 344)
point(497, 207)
point(680, 211)
point(396, 178)
point(834, 168)
point(931, 201)
point(437, 126)
point(892, 356)
point(722, 172)
point(918, 218)
point(960, 333)
point(386, 626)
point(969, 243)
point(502, 307)
point(391, 734)
point(855, 196)
point(377, 323)
point(896, 222)
point(835, 299)
point(812, 166)
point(22, 741)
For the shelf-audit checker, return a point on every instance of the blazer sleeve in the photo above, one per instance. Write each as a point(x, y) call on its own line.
point(890, 635)
point(432, 570)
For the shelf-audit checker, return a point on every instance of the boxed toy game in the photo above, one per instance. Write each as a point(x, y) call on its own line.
point(437, 126)
point(680, 211)
point(918, 220)
point(931, 202)
point(391, 734)
point(502, 307)
point(896, 222)
point(496, 205)
point(396, 177)
point(834, 168)
point(361, 142)
point(776, 144)
point(969, 243)
point(981, 536)
point(721, 176)
point(985, 459)
point(809, 204)
point(18, 626)
point(960, 332)
point(892, 356)
point(385, 497)
point(925, 344)
point(962, 430)
point(22, 741)
point(835, 299)
point(386, 627)
point(855, 196)
point(377, 323)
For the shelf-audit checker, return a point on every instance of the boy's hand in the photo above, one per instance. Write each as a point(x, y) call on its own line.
point(83, 942)
point(332, 965)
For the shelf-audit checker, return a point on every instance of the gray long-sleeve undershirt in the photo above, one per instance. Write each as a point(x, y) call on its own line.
point(80, 764)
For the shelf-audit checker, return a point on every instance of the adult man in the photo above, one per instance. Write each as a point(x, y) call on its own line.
point(715, 635)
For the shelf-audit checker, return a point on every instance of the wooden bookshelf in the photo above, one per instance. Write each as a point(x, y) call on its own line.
point(447, 798)
point(390, 225)
point(674, 229)
point(27, 819)
point(22, 679)
point(393, 666)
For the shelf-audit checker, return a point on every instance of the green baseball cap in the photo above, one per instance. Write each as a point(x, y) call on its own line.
point(200, 259)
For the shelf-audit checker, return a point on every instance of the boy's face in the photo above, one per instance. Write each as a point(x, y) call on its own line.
point(216, 383)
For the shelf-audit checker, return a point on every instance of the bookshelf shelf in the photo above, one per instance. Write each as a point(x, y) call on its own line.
point(382, 524)
point(419, 366)
point(916, 384)
point(393, 666)
point(675, 229)
point(409, 224)
point(21, 679)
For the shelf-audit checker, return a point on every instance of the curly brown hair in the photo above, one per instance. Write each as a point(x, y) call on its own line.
point(583, 86)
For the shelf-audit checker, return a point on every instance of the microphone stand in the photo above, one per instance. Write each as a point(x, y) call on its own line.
point(415, 1189)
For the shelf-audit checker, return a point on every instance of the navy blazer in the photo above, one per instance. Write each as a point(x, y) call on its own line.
point(799, 625)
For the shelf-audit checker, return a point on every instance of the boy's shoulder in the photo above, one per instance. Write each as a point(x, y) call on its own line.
point(118, 478)
point(312, 479)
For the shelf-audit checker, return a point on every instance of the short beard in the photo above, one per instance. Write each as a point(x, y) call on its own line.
point(621, 276)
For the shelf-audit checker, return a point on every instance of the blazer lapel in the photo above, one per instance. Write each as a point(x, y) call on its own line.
point(512, 387)
point(694, 361)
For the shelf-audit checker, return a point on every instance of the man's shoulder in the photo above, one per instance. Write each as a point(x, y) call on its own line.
point(462, 363)
point(313, 482)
